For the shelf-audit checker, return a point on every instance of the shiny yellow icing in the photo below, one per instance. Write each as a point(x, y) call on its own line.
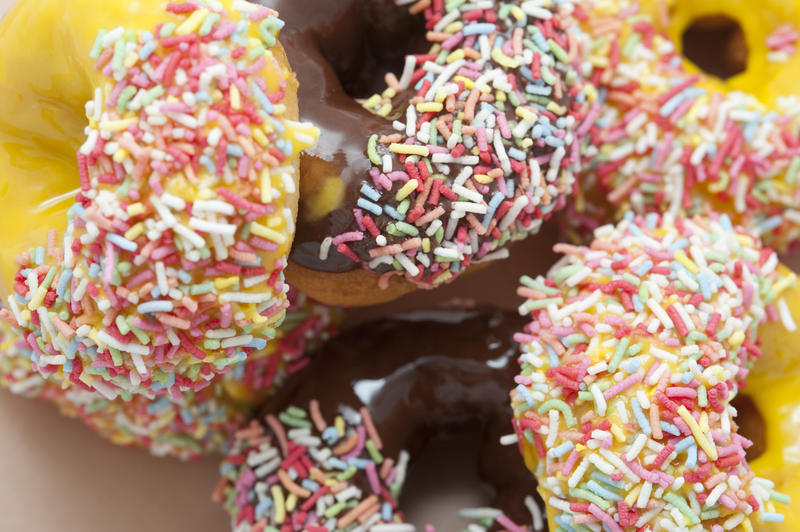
point(765, 79)
point(774, 385)
point(46, 78)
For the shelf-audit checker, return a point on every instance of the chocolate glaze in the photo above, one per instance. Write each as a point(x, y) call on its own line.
point(340, 50)
point(425, 374)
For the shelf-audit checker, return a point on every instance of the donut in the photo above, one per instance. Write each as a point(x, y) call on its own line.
point(472, 148)
point(638, 344)
point(153, 260)
point(668, 138)
point(332, 451)
point(189, 425)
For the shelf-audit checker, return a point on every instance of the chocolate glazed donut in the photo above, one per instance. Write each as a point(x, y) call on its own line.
point(394, 385)
point(364, 234)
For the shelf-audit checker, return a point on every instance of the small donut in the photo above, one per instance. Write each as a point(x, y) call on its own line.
point(669, 138)
point(638, 344)
point(192, 424)
point(333, 451)
point(155, 262)
point(472, 148)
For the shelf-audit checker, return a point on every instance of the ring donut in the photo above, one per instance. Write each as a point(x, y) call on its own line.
point(638, 344)
point(670, 138)
point(334, 450)
point(467, 152)
point(191, 424)
point(155, 262)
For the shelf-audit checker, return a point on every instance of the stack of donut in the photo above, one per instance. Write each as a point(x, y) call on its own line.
point(177, 246)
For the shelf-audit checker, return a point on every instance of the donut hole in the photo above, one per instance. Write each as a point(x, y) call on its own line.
point(372, 41)
point(717, 45)
point(751, 425)
point(439, 483)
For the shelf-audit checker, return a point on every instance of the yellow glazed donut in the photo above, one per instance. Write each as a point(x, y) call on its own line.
point(638, 344)
point(154, 259)
point(664, 137)
point(194, 423)
point(768, 74)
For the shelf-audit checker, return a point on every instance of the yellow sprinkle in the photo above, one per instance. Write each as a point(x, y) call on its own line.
point(38, 297)
point(135, 231)
point(525, 114)
point(453, 28)
point(280, 509)
point(135, 209)
point(130, 60)
point(681, 257)
point(591, 92)
point(483, 179)
point(526, 143)
point(441, 94)
point(193, 22)
point(409, 149)
point(275, 221)
point(468, 83)
point(258, 319)
point(265, 232)
point(338, 424)
point(747, 525)
point(704, 422)
point(266, 186)
point(118, 125)
point(736, 339)
point(224, 282)
point(407, 189)
point(503, 59)
point(372, 102)
point(86, 378)
point(500, 96)
point(632, 495)
point(744, 240)
point(291, 502)
point(429, 107)
point(701, 439)
point(120, 155)
point(385, 110)
point(260, 137)
point(784, 283)
point(553, 107)
point(25, 314)
point(426, 245)
point(618, 433)
point(455, 56)
point(236, 98)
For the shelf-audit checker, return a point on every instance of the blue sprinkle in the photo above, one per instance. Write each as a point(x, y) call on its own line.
point(39, 257)
point(370, 192)
point(640, 417)
point(122, 242)
point(66, 276)
point(562, 449)
point(669, 428)
point(369, 206)
point(391, 211)
point(597, 489)
point(330, 435)
point(526, 395)
point(684, 444)
point(691, 458)
point(484, 28)
point(154, 306)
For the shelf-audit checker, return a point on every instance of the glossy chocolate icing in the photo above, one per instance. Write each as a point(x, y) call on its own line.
point(340, 50)
point(425, 374)
point(328, 41)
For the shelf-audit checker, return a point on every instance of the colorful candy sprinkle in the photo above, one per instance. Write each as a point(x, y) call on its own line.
point(485, 143)
point(638, 344)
